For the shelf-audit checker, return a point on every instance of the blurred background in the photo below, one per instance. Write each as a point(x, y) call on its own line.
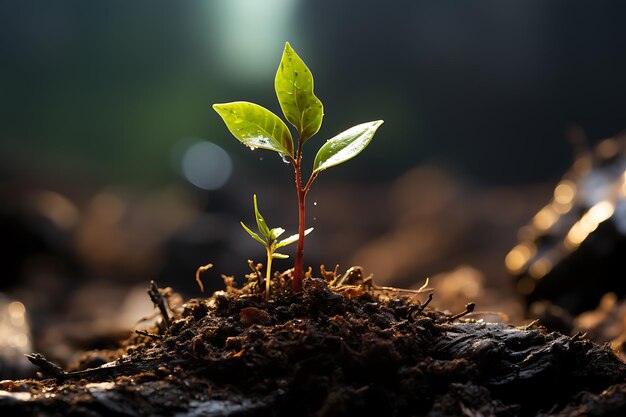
point(114, 170)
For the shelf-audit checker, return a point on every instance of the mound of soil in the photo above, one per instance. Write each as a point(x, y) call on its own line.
point(332, 350)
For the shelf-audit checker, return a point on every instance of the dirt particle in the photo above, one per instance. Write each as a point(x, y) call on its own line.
point(252, 315)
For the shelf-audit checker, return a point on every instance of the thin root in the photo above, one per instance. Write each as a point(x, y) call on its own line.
point(256, 270)
point(200, 270)
point(329, 276)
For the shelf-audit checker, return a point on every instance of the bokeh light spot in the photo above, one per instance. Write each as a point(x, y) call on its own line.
point(206, 165)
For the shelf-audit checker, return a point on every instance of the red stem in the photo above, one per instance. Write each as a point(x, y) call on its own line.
point(298, 270)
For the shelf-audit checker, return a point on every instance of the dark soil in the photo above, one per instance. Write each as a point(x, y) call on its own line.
point(337, 349)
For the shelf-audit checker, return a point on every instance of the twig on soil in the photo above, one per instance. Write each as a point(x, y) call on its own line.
point(158, 296)
point(468, 309)
point(53, 370)
point(150, 335)
point(430, 298)
point(419, 308)
point(45, 366)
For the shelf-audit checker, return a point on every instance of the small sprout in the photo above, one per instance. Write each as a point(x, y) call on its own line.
point(257, 127)
point(269, 239)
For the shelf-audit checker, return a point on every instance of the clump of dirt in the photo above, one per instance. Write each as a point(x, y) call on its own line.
point(341, 347)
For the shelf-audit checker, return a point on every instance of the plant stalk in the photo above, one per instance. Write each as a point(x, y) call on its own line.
point(268, 274)
point(298, 266)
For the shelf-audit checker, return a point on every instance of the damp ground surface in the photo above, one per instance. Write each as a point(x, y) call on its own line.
point(332, 350)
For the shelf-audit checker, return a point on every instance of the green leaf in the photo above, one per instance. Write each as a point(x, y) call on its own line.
point(291, 239)
point(279, 256)
point(345, 145)
point(294, 89)
point(254, 235)
point(260, 221)
point(256, 127)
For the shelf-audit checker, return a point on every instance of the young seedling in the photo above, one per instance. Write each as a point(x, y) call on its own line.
point(257, 127)
point(270, 242)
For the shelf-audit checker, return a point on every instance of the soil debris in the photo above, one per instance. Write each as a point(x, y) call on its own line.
point(342, 349)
